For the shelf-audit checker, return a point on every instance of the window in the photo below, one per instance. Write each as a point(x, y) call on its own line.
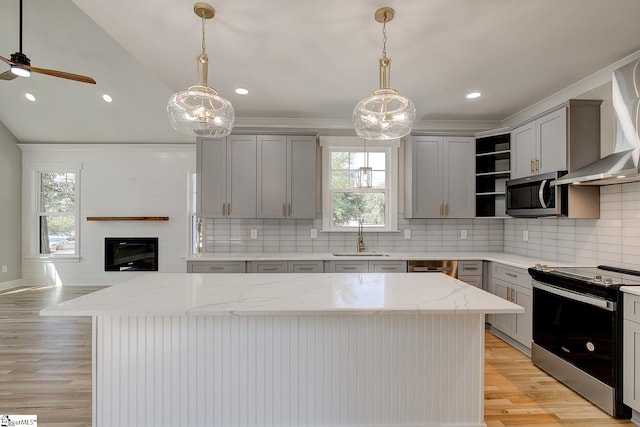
point(57, 212)
point(346, 202)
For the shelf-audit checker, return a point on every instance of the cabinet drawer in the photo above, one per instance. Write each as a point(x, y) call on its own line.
point(514, 275)
point(216, 267)
point(306, 267)
point(470, 268)
point(472, 280)
point(631, 307)
point(387, 267)
point(268, 267)
point(348, 266)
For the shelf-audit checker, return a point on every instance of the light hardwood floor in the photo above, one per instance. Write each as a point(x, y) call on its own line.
point(45, 369)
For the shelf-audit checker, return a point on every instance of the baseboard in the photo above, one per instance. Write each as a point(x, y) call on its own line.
point(513, 343)
point(10, 284)
point(635, 417)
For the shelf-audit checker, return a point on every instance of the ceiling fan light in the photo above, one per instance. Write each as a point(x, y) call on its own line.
point(200, 111)
point(20, 71)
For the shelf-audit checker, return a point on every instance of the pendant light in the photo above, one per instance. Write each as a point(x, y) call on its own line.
point(199, 110)
point(384, 114)
point(365, 178)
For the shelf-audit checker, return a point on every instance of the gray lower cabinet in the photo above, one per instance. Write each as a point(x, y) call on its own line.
point(226, 177)
point(285, 266)
point(216, 267)
point(286, 176)
point(470, 272)
point(513, 284)
point(631, 353)
point(362, 266)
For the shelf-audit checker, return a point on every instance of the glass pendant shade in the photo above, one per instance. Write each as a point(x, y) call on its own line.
point(200, 111)
point(384, 115)
point(365, 180)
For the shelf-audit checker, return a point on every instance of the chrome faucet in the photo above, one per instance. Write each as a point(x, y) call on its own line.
point(360, 247)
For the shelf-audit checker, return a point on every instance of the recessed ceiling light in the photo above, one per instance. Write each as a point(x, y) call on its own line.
point(107, 98)
point(242, 91)
point(31, 97)
point(473, 95)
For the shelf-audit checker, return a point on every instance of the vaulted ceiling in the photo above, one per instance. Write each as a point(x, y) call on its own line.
point(305, 63)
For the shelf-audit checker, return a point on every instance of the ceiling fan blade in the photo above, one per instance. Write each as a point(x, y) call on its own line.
point(6, 60)
point(63, 75)
point(7, 75)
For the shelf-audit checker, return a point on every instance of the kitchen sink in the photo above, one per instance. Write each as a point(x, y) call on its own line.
point(359, 254)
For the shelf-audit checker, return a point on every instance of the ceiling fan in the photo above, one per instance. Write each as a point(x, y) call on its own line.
point(21, 66)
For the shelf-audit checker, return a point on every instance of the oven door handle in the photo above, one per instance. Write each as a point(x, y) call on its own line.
point(598, 302)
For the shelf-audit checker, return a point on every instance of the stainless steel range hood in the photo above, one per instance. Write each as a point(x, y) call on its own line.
point(622, 165)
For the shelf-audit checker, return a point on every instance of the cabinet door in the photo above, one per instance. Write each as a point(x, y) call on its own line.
point(523, 150)
point(631, 363)
point(241, 176)
point(306, 267)
point(426, 178)
point(211, 176)
point(551, 132)
point(458, 178)
point(302, 176)
point(387, 266)
point(348, 266)
point(268, 267)
point(216, 267)
point(503, 322)
point(523, 325)
point(272, 176)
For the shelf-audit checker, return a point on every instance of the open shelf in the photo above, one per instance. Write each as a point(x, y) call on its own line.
point(493, 169)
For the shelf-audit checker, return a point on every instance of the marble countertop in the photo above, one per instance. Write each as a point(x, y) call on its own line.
point(285, 294)
point(635, 290)
point(514, 260)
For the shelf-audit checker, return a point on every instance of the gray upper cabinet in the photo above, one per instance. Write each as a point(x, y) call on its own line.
point(566, 138)
point(226, 177)
point(286, 176)
point(439, 180)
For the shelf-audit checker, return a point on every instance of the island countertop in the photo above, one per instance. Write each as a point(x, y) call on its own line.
point(191, 294)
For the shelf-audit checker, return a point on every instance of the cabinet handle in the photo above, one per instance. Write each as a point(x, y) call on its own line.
point(531, 165)
point(387, 268)
point(508, 294)
point(228, 208)
point(289, 209)
point(223, 209)
point(446, 209)
point(216, 268)
point(537, 165)
point(441, 209)
point(346, 267)
point(270, 269)
point(284, 209)
point(469, 268)
point(305, 268)
point(510, 274)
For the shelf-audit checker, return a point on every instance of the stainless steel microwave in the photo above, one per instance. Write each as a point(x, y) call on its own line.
point(534, 196)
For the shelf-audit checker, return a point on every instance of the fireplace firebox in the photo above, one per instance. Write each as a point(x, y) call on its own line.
point(131, 254)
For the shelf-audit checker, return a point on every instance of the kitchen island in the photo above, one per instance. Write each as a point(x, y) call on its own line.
point(177, 349)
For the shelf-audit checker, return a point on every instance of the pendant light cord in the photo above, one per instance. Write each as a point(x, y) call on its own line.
point(20, 26)
point(384, 38)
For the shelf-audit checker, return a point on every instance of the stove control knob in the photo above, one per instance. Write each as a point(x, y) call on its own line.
point(608, 280)
point(597, 278)
point(590, 346)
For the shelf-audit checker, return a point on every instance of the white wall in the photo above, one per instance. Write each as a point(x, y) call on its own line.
point(10, 208)
point(116, 180)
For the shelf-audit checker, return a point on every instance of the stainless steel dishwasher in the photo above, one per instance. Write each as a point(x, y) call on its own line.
point(449, 268)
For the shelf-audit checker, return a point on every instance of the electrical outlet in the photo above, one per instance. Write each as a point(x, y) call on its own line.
point(407, 233)
point(525, 235)
point(463, 234)
point(254, 234)
point(314, 233)
point(4, 269)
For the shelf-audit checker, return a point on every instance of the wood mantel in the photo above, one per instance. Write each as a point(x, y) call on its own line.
point(127, 218)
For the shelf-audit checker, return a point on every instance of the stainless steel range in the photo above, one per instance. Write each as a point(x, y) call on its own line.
point(577, 330)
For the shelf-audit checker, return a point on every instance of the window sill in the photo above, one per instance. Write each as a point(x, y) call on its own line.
point(54, 258)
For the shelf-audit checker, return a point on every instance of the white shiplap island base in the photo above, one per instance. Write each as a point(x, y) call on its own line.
point(288, 350)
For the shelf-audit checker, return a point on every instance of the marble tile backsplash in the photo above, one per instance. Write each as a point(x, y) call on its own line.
point(294, 235)
point(612, 239)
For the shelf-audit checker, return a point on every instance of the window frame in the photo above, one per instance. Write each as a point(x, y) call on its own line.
point(36, 171)
point(331, 144)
